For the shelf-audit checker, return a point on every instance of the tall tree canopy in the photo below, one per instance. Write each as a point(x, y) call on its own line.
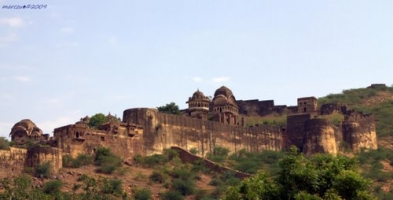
point(170, 108)
point(96, 120)
point(319, 177)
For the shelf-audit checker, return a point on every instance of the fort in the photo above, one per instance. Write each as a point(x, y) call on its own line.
point(204, 125)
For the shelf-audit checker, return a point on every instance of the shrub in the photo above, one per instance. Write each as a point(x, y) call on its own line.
point(219, 154)
point(170, 154)
point(112, 186)
point(43, 170)
point(106, 161)
point(194, 151)
point(158, 177)
point(142, 194)
point(185, 187)
point(52, 187)
point(171, 195)
point(4, 144)
point(154, 160)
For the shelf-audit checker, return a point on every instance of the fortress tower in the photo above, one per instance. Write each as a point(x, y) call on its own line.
point(198, 105)
point(224, 106)
point(307, 105)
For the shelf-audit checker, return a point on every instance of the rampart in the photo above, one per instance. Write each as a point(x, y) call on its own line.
point(12, 159)
point(39, 155)
point(164, 131)
point(296, 129)
point(321, 137)
point(77, 139)
point(359, 131)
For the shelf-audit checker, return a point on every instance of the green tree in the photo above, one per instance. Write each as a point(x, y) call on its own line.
point(4, 144)
point(96, 120)
point(317, 177)
point(170, 108)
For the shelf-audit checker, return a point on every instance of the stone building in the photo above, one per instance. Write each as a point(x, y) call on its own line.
point(205, 125)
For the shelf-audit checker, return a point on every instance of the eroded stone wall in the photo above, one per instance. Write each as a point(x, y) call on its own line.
point(39, 155)
point(164, 131)
point(13, 160)
point(87, 141)
point(320, 137)
point(360, 132)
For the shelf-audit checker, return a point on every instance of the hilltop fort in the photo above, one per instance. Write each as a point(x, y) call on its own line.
point(206, 123)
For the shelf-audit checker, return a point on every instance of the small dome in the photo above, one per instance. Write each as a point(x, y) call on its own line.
point(198, 95)
point(27, 127)
point(223, 91)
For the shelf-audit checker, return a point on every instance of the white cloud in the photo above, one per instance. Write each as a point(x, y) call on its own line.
point(49, 125)
point(221, 79)
point(67, 30)
point(14, 22)
point(197, 79)
point(22, 78)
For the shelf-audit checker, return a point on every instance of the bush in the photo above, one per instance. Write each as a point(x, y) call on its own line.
point(154, 160)
point(52, 187)
point(219, 154)
point(112, 186)
point(170, 154)
point(171, 195)
point(43, 170)
point(4, 144)
point(107, 161)
point(185, 187)
point(158, 177)
point(142, 194)
point(194, 151)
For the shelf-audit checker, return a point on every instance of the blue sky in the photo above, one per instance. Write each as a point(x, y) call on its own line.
point(78, 58)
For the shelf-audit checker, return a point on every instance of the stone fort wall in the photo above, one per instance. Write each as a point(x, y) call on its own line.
point(164, 131)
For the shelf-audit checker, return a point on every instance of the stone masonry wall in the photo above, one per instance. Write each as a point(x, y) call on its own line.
point(13, 160)
point(359, 131)
point(124, 145)
point(39, 155)
point(164, 131)
point(320, 137)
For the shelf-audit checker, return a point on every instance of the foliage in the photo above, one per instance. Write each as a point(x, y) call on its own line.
point(158, 177)
point(271, 120)
point(96, 120)
point(170, 108)
point(79, 161)
point(194, 151)
point(142, 194)
point(219, 154)
point(53, 187)
point(106, 161)
point(4, 144)
point(171, 195)
point(306, 178)
point(112, 186)
point(353, 99)
point(43, 170)
point(251, 162)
